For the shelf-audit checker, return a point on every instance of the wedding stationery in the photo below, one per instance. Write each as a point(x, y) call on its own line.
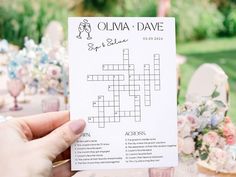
point(123, 84)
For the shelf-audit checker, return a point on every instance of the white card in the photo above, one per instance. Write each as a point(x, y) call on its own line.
point(123, 84)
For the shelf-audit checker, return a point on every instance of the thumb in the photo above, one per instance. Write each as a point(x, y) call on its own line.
point(61, 138)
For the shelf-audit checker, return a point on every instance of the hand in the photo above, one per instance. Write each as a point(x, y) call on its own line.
point(30, 145)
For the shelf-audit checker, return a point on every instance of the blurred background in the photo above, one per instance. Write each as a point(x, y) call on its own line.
point(34, 64)
point(205, 29)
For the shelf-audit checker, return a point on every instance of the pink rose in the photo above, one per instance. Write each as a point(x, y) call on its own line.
point(230, 140)
point(22, 72)
point(188, 145)
point(211, 138)
point(227, 120)
point(181, 121)
point(192, 121)
point(54, 72)
point(229, 133)
point(228, 129)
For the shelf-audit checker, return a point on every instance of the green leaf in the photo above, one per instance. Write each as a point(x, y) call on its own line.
point(198, 144)
point(215, 94)
point(205, 131)
point(203, 156)
point(219, 103)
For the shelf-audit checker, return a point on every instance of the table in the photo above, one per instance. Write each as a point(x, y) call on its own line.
point(181, 171)
point(34, 107)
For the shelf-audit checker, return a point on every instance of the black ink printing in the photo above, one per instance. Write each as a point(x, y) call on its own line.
point(109, 42)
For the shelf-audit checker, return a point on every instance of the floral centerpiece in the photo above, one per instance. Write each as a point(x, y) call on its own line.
point(206, 134)
point(6, 50)
point(41, 67)
point(4, 46)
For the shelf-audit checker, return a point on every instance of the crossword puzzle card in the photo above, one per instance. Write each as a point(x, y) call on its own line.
point(123, 84)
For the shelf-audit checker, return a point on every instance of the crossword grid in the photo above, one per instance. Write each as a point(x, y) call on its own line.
point(131, 87)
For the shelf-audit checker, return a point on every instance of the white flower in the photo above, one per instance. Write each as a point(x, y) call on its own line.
point(230, 164)
point(30, 44)
point(31, 54)
point(218, 158)
point(185, 131)
point(206, 114)
point(188, 145)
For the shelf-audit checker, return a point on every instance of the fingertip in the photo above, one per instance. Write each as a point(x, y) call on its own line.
point(66, 113)
point(77, 126)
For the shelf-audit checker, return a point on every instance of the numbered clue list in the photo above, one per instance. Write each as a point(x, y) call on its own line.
point(123, 84)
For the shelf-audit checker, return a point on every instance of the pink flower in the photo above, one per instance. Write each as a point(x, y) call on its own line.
point(192, 121)
point(22, 72)
point(229, 133)
point(188, 145)
point(54, 72)
point(42, 90)
point(230, 140)
point(181, 121)
point(184, 129)
point(227, 120)
point(211, 138)
point(228, 129)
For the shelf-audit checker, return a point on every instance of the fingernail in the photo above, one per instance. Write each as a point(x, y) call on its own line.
point(77, 126)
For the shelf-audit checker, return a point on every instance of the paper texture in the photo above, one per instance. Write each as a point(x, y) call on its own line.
point(123, 84)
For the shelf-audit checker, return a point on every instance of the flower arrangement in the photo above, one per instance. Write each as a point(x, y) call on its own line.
point(4, 50)
point(4, 46)
point(205, 133)
point(41, 67)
